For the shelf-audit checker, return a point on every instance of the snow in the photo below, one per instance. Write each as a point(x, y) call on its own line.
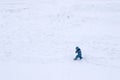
point(38, 39)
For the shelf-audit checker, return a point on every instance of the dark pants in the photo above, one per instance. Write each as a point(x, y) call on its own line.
point(78, 56)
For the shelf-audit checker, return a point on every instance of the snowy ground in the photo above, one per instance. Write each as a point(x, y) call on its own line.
point(38, 37)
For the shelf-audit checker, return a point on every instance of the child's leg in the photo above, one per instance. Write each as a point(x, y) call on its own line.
point(76, 57)
point(80, 56)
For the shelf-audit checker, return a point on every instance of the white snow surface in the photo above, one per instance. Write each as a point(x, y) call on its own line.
point(38, 39)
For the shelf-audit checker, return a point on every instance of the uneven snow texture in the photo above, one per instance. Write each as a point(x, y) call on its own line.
point(38, 39)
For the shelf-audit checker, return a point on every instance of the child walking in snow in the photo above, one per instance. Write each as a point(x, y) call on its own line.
point(79, 53)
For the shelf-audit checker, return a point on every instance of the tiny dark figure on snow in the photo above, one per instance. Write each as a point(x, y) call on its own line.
point(79, 53)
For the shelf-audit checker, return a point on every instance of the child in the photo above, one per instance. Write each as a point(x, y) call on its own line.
point(79, 54)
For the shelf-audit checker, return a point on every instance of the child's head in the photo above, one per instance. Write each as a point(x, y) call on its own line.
point(77, 47)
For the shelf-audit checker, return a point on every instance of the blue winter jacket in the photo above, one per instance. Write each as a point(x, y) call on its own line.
point(78, 51)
